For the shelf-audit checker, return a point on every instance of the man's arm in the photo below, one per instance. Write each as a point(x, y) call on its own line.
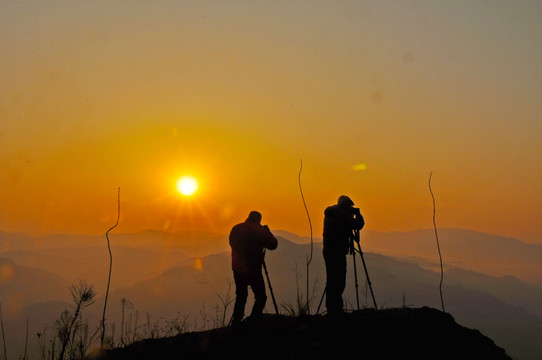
point(268, 240)
point(358, 221)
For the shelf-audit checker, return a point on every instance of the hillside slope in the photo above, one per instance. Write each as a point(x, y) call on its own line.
point(467, 249)
point(21, 286)
point(422, 333)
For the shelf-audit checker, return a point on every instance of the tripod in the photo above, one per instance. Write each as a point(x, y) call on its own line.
point(355, 238)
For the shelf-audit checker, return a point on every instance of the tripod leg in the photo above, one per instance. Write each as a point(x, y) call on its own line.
point(322, 299)
point(356, 277)
point(270, 288)
point(367, 274)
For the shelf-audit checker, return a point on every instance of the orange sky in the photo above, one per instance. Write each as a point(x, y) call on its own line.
point(133, 94)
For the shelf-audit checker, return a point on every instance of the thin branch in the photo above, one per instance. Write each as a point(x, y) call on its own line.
point(438, 245)
point(309, 260)
point(83, 296)
point(3, 334)
point(26, 342)
point(110, 266)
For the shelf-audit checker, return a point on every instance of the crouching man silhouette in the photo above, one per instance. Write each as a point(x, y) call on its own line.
point(248, 241)
point(339, 222)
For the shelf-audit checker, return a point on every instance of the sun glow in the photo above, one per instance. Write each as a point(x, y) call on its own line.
point(187, 185)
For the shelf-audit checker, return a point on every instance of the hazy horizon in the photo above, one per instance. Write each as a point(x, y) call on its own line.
point(315, 236)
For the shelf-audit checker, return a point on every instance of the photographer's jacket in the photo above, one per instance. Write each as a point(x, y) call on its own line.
point(247, 241)
point(339, 221)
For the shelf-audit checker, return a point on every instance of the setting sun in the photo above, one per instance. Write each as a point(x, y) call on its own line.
point(187, 185)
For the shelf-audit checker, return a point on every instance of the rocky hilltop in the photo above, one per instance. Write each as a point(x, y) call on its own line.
point(420, 333)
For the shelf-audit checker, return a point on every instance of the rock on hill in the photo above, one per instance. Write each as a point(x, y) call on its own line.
point(421, 333)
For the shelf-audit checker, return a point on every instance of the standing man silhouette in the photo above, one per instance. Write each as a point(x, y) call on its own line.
point(248, 241)
point(339, 222)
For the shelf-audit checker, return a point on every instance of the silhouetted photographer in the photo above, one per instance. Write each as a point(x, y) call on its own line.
point(340, 223)
point(248, 241)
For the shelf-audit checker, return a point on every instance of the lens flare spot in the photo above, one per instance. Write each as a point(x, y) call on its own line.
point(359, 167)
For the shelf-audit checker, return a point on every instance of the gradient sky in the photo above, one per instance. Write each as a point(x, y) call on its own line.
point(371, 95)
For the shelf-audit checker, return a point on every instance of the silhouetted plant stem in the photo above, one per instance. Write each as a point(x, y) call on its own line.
point(110, 267)
point(26, 341)
point(226, 301)
point(438, 245)
point(309, 259)
point(3, 334)
point(123, 305)
point(83, 296)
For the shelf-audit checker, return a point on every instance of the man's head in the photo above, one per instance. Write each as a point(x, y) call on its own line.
point(345, 201)
point(254, 217)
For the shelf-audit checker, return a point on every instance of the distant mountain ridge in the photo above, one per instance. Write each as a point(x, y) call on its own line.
point(193, 243)
point(468, 249)
point(21, 286)
point(502, 307)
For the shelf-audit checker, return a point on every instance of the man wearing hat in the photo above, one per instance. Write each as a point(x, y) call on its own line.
point(248, 240)
point(339, 222)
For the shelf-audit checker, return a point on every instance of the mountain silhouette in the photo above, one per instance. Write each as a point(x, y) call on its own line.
point(467, 249)
point(21, 286)
point(421, 333)
point(504, 308)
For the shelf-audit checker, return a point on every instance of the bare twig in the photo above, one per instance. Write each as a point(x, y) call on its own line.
point(123, 302)
point(110, 266)
point(3, 334)
point(438, 245)
point(299, 307)
point(225, 301)
point(83, 296)
point(26, 342)
point(309, 259)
